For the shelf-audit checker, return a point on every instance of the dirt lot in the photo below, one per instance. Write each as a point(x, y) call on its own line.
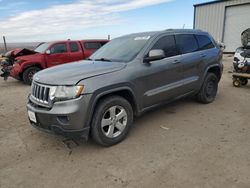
point(184, 144)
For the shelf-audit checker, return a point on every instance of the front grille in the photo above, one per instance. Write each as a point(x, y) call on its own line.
point(40, 93)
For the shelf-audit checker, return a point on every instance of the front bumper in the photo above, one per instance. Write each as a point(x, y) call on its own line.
point(67, 118)
point(16, 70)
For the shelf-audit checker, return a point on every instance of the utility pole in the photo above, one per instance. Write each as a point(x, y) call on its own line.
point(5, 45)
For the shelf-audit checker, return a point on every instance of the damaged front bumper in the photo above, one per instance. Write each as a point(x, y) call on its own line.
point(9, 69)
point(6, 68)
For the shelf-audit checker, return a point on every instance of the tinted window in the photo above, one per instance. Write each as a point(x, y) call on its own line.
point(204, 42)
point(186, 43)
point(73, 47)
point(167, 44)
point(58, 48)
point(92, 45)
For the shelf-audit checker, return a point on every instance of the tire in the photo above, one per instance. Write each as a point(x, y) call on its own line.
point(243, 81)
point(236, 82)
point(110, 114)
point(29, 73)
point(208, 91)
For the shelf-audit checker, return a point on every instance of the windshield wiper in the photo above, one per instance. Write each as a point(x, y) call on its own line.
point(103, 59)
point(89, 59)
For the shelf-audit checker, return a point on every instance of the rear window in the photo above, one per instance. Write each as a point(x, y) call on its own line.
point(204, 42)
point(186, 43)
point(73, 47)
point(92, 45)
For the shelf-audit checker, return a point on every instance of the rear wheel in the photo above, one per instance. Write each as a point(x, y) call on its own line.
point(243, 81)
point(29, 73)
point(112, 120)
point(209, 89)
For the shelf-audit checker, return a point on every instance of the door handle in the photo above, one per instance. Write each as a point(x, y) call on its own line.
point(176, 61)
point(203, 55)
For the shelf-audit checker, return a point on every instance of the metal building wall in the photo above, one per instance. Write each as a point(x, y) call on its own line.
point(210, 17)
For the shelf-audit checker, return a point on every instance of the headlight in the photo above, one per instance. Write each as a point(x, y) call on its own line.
point(65, 92)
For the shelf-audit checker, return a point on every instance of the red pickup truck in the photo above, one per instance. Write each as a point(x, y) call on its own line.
point(27, 62)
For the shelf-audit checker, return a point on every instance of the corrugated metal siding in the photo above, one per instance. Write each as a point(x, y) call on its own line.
point(210, 17)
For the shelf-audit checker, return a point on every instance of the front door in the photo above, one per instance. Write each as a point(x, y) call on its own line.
point(58, 55)
point(162, 78)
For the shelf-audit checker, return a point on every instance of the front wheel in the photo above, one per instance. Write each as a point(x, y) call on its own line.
point(112, 120)
point(209, 89)
point(29, 73)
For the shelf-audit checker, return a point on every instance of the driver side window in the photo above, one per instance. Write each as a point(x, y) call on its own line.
point(58, 48)
point(167, 44)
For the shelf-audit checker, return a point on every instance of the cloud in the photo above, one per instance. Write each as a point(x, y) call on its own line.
point(58, 19)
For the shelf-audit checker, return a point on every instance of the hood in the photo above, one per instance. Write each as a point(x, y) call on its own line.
point(245, 37)
point(33, 57)
point(19, 52)
point(72, 73)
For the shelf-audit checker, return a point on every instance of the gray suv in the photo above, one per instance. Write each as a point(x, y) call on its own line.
point(100, 96)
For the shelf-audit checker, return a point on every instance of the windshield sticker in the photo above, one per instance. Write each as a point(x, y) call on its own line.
point(142, 38)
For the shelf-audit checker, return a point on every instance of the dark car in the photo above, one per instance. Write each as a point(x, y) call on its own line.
point(126, 77)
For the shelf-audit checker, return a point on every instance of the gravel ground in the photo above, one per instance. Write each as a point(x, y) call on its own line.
point(183, 144)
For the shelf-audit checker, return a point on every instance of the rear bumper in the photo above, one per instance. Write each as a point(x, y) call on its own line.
point(67, 118)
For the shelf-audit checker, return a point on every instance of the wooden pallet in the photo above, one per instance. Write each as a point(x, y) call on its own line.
point(242, 75)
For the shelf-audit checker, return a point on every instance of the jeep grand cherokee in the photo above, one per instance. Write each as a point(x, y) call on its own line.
point(126, 77)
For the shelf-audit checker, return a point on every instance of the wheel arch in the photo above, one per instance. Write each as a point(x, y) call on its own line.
point(124, 92)
point(26, 66)
point(216, 70)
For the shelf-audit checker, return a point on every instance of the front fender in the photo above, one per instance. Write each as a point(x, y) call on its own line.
point(97, 95)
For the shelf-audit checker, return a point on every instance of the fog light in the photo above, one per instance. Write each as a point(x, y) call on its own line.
point(63, 120)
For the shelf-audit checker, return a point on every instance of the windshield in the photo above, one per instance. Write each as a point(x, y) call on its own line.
point(121, 49)
point(42, 48)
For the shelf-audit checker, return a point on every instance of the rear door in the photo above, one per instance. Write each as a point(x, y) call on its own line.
point(161, 79)
point(208, 52)
point(58, 54)
point(75, 51)
point(191, 61)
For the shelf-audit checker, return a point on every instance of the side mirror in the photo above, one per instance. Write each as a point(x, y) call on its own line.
point(154, 55)
point(48, 52)
point(222, 45)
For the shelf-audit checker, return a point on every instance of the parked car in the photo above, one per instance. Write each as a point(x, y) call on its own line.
point(125, 78)
point(24, 63)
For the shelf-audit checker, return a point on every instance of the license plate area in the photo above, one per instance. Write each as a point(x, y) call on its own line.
point(32, 116)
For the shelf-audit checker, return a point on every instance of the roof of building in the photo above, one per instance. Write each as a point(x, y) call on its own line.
point(209, 2)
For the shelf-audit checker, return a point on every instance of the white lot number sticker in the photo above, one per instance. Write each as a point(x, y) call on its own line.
point(142, 38)
point(32, 116)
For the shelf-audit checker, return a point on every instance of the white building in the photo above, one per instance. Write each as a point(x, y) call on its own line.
point(225, 20)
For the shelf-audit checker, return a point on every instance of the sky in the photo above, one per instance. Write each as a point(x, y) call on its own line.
point(47, 20)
